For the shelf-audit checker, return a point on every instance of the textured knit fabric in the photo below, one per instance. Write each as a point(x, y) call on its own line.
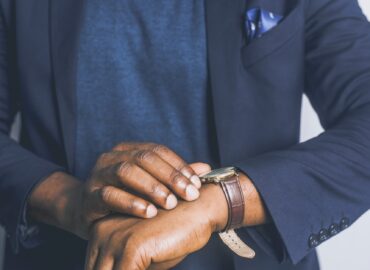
point(142, 76)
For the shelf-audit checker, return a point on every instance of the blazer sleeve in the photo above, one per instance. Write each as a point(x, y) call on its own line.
point(315, 189)
point(20, 170)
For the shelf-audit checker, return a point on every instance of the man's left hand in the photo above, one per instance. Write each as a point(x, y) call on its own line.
point(119, 242)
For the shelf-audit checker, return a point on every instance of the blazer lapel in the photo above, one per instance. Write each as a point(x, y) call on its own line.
point(65, 18)
point(224, 38)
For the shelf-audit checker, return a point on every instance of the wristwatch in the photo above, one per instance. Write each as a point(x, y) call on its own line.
point(228, 179)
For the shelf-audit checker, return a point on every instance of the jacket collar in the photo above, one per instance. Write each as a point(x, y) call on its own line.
point(224, 41)
point(65, 24)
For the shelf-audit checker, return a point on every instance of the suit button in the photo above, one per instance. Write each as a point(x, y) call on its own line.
point(313, 241)
point(323, 235)
point(344, 223)
point(334, 229)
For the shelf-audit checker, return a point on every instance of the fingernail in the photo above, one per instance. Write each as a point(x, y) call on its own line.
point(192, 192)
point(186, 173)
point(171, 201)
point(196, 181)
point(151, 211)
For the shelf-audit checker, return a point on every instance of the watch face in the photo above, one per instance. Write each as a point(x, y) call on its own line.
point(219, 174)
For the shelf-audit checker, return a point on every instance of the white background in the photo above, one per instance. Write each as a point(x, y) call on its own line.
point(349, 250)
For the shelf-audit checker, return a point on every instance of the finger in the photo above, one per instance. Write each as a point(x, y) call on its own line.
point(120, 201)
point(131, 176)
point(104, 262)
point(128, 146)
point(177, 162)
point(166, 154)
point(91, 256)
point(200, 168)
point(130, 260)
point(166, 174)
point(166, 265)
point(135, 178)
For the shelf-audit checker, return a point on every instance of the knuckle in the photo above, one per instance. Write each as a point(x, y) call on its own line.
point(149, 144)
point(118, 147)
point(159, 148)
point(157, 189)
point(107, 194)
point(183, 167)
point(115, 237)
point(124, 168)
point(132, 203)
point(103, 158)
point(144, 156)
point(97, 229)
point(177, 178)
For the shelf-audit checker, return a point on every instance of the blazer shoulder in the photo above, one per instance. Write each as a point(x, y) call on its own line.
point(315, 8)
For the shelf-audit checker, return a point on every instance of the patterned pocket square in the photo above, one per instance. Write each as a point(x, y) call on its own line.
point(259, 21)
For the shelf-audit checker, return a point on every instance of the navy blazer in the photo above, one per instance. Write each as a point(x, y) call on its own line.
point(312, 190)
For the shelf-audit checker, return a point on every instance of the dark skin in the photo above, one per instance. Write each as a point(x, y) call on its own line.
point(119, 184)
point(132, 179)
point(121, 243)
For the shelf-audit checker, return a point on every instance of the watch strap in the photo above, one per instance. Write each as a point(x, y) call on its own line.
point(236, 206)
point(235, 201)
point(232, 240)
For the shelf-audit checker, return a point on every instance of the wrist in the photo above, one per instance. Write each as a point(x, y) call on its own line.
point(216, 206)
point(56, 201)
point(69, 208)
point(230, 212)
point(255, 212)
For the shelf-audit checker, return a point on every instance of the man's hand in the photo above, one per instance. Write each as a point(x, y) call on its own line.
point(121, 243)
point(132, 179)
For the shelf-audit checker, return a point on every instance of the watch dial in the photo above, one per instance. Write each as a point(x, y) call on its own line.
point(220, 173)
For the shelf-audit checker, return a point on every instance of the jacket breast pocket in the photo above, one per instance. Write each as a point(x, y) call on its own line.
point(274, 39)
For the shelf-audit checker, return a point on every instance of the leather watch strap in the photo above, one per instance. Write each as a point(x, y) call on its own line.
point(228, 179)
point(236, 204)
point(235, 201)
point(232, 240)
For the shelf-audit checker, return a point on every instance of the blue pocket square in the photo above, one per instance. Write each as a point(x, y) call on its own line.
point(259, 21)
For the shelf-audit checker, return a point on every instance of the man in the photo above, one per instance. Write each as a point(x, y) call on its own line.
point(168, 90)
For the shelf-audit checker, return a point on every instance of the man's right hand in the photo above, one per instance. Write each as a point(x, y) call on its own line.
point(132, 179)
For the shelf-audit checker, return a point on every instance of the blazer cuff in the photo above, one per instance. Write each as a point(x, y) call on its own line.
point(276, 180)
point(20, 182)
